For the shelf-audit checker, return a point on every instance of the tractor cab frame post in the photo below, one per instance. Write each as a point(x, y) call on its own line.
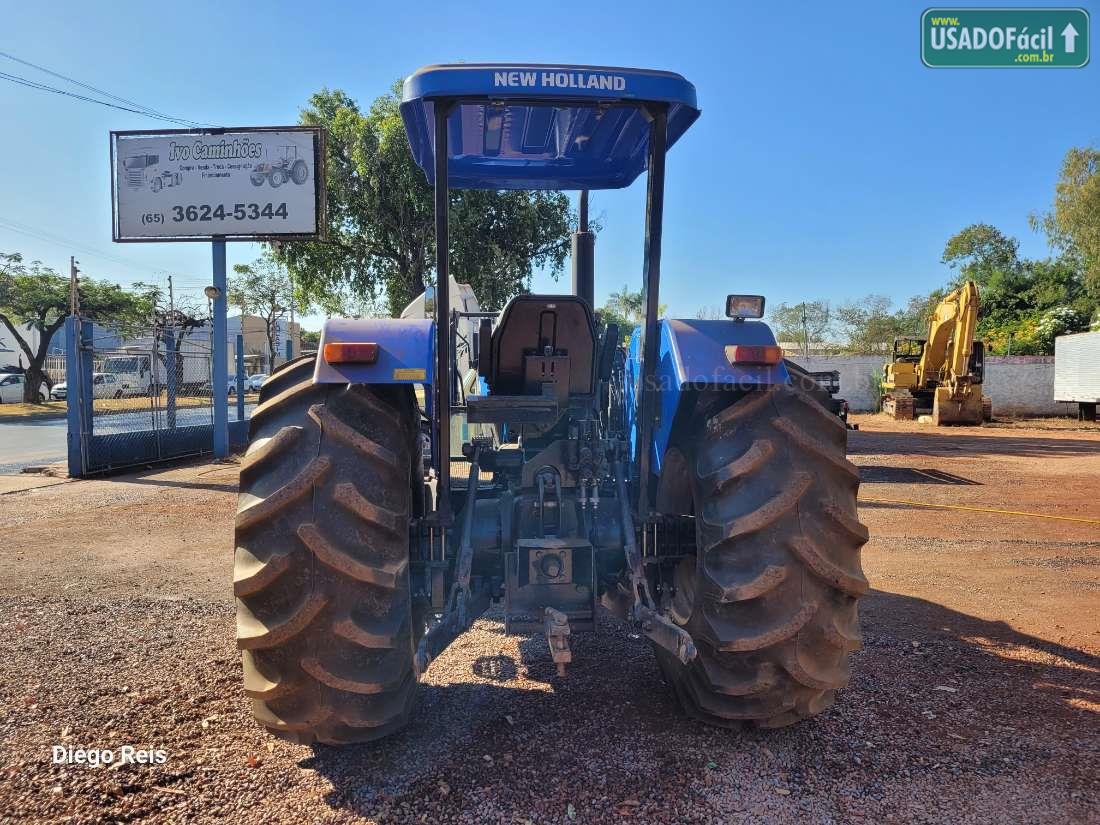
point(441, 388)
point(654, 217)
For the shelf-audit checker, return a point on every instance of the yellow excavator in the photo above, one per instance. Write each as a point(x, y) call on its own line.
point(942, 375)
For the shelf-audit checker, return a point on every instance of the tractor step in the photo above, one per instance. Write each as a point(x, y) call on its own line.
point(511, 409)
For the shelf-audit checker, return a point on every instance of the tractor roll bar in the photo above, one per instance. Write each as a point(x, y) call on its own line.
point(657, 115)
point(654, 225)
point(441, 388)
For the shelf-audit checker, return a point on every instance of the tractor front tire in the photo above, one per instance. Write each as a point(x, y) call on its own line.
point(321, 562)
point(770, 598)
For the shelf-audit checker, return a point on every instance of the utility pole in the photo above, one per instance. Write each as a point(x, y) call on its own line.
point(171, 299)
point(290, 328)
point(805, 332)
point(74, 295)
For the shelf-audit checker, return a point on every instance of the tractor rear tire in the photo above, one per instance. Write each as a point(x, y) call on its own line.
point(321, 563)
point(770, 598)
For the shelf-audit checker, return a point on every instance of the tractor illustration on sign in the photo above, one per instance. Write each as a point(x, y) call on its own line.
point(288, 167)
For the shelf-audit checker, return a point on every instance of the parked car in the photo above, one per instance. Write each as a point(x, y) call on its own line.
point(11, 388)
point(254, 381)
point(104, 385)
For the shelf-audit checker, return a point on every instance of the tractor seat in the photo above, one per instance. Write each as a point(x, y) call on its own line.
point(543, 341)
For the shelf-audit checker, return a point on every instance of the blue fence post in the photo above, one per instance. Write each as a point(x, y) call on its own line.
point(72, 396)
point(240, 377)
point(220, 348)
point(172, 376)
point(289, 349)
point(87, 388)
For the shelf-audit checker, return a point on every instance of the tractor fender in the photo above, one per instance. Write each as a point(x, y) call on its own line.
point(691, 354)
point(406, 351)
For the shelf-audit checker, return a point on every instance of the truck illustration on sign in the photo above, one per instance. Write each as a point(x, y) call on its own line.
point(288, 167)
point(138, 172)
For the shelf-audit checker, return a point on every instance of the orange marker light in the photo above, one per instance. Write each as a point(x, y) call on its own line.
point(348, 353)
point(754, 354)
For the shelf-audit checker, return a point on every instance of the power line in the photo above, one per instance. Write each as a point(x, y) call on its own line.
point(22, 81)
point(151, 111)
point(42, 235)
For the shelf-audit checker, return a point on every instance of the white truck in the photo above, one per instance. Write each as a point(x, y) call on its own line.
point(1077, 372)
point(138, 372)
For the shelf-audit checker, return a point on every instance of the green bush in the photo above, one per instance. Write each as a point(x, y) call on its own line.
point(874, 384)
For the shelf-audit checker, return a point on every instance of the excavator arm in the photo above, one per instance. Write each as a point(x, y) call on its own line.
point(945, 359)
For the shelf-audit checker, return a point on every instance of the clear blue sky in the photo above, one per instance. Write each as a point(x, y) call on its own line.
point(828, 162)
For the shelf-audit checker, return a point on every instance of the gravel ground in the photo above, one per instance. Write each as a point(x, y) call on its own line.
point(978, 702)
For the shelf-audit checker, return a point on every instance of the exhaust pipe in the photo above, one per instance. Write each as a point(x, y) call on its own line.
point(584, 249)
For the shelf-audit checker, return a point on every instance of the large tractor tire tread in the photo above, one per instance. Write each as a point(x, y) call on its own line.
point(770, 599)
point(321, 561)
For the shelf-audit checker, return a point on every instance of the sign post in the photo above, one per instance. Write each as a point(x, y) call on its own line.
point(220, 372)
point(218, 185)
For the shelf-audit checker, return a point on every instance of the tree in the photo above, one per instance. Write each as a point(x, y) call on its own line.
point(1073, 225)
point(708, 313)
point(868, 324)
point(914, 319)
point(33, 294)
point(627, 309)
point(263, 288)
point(630, 305)
point(981, 253)
point(606, 316)
point(381, 230)
point(310, 339)
point(182, 317)
point(804, 323)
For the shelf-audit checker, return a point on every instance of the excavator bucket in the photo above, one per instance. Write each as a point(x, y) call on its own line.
point(961, 408)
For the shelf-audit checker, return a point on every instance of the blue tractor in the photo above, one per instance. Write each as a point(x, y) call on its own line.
point(688, 483)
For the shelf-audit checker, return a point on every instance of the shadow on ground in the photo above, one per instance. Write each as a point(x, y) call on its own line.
point(952, 677)
point(952, 443)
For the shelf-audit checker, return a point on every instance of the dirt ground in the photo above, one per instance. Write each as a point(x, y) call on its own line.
point(976, 697)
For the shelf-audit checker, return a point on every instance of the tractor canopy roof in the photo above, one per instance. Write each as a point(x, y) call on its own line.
point(542, 126)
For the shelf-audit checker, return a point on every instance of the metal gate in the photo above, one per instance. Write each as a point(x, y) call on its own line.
point(148, 401)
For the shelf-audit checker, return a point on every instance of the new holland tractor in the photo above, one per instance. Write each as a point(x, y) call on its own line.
point(687, 484)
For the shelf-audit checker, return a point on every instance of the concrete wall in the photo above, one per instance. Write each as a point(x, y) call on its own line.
point(1019, 385)
point(855, 374)
point(1023, 385)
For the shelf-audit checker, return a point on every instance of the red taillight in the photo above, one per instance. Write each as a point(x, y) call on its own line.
point(347, 353)
point(754, 354)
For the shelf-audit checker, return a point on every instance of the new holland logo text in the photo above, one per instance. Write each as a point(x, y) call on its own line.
point(559, 80)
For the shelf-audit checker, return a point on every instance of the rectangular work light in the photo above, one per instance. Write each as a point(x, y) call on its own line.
point(741, 307)
point(343, 352)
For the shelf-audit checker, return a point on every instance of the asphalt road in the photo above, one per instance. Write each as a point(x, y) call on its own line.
point(32, 442)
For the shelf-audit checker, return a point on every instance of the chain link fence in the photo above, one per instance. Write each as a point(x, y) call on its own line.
point(149, 399)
